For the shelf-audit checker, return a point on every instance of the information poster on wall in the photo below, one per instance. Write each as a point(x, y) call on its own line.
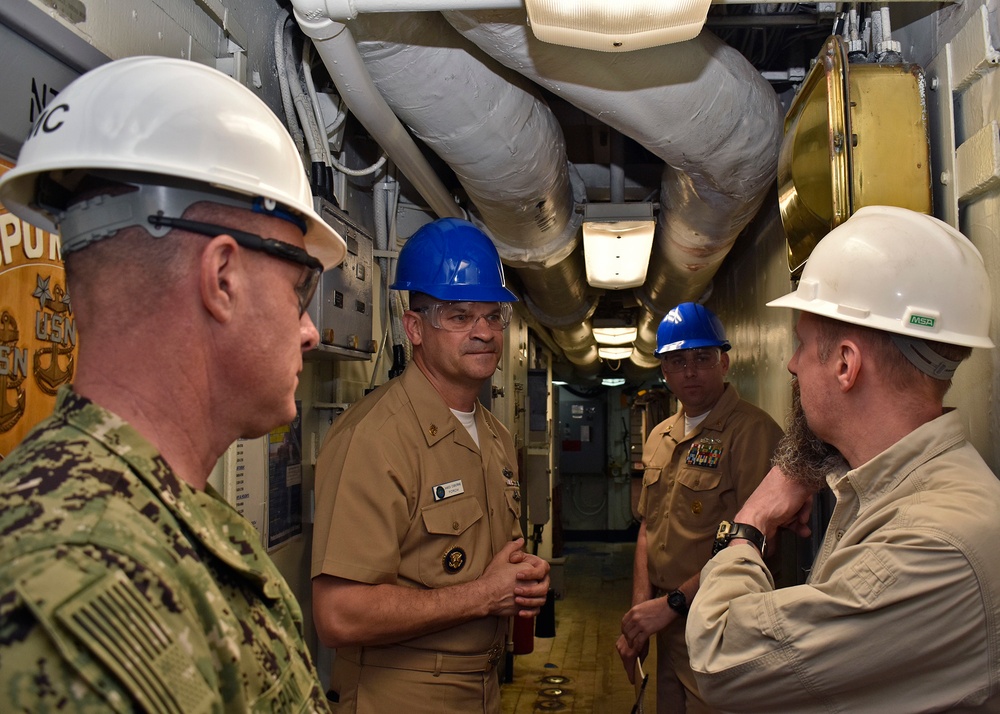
point(284, 483)
point(263, 481)
point(246, 462)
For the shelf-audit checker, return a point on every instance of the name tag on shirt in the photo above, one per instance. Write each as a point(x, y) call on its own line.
point(447, 490)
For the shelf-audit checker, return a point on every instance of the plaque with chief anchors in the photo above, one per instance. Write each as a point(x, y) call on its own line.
point(37, 327)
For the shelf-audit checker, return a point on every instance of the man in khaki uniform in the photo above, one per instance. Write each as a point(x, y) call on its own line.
point(700, 465)
point(417, 562)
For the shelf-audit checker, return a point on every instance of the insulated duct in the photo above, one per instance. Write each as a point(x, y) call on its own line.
point(506, 149)
point(698, 105)
point(336, 48)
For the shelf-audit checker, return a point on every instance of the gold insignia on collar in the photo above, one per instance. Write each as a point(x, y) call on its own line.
point(454, 560)
point(433, 430)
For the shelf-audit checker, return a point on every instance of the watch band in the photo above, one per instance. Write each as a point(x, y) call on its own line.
point(678, 602)
point(729, 530)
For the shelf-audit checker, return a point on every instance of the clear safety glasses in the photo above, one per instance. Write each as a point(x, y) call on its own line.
point(463, 316)
point(700, 359)
point(307, 284)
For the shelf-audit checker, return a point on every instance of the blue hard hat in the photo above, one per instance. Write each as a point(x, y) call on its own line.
point(451, 259)
point(689, 326)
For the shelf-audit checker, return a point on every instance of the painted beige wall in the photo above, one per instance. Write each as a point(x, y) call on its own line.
point(756, 270)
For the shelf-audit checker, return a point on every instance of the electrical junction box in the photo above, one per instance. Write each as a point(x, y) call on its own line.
point(343, 308)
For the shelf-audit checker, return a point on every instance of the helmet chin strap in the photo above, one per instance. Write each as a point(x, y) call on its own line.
point(924, 358)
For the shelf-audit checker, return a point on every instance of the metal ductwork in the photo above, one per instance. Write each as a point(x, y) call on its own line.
point(508, 152)
point(699, 106)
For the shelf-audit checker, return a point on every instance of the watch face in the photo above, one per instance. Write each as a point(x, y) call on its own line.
point(677, 601)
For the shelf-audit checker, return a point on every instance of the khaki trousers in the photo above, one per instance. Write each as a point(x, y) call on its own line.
point(371, 689)
point(676, 690)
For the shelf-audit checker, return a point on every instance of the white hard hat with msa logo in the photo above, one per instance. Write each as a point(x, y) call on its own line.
point(899, 271)
point(157, 121)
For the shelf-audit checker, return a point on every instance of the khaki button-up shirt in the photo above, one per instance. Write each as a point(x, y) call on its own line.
point(901, 609)
point(692, 482)
point(380, 517)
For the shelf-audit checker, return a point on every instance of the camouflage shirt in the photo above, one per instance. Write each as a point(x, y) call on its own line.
point(123, 589)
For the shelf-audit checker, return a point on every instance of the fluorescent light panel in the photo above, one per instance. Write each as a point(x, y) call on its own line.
point(614, 352)
point(618, 25)
point(617, 239)
point(615, 335)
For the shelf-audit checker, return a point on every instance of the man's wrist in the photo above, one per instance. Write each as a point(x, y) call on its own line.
point(731, 531)
point(678, 602)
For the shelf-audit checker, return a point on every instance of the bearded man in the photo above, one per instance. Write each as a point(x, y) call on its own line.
point(900, 608)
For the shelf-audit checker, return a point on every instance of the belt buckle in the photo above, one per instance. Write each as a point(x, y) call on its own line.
point(494, 655)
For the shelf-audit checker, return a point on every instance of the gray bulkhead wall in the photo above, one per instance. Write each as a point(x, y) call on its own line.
point(976, 391)
point(756, 271)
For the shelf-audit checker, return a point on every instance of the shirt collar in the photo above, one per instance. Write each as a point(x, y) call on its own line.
point(435, 418)
point(214, 522)
point(717, 416)
point(887, 470)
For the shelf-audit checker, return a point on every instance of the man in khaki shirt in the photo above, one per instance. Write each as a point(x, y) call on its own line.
point(900, 610)
point(417, 562)
point(700, 466)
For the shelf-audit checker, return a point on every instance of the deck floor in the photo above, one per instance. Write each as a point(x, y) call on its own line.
point(588, 673)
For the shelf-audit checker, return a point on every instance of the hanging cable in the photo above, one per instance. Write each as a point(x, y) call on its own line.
point(359, 172)
point(399, 341)
point(281, 64)
point(314, 102)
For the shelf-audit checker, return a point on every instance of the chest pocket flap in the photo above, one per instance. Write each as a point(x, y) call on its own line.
point(699, 479)
point(451, 516)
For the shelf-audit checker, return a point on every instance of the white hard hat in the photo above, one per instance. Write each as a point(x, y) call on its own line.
point(167, 117)
point(899, 271)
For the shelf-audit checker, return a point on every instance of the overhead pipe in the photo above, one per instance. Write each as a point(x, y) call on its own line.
point(715, 122)
point(698, 105)
point(487, 123)
point(336, 48)
point(343, 10)
point(507, 150)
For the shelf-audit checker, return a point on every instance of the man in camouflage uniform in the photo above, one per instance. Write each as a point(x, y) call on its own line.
point(126, 582)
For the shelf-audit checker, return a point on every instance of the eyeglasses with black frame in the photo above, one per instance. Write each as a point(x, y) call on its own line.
point(462, 316)
point(701, 359)
point(304, 289)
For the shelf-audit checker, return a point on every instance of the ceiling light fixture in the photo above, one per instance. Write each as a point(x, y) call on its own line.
point(614, 352)
point(613, 331)
point(613, 381)
point(619, 26)
point(617, 239)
